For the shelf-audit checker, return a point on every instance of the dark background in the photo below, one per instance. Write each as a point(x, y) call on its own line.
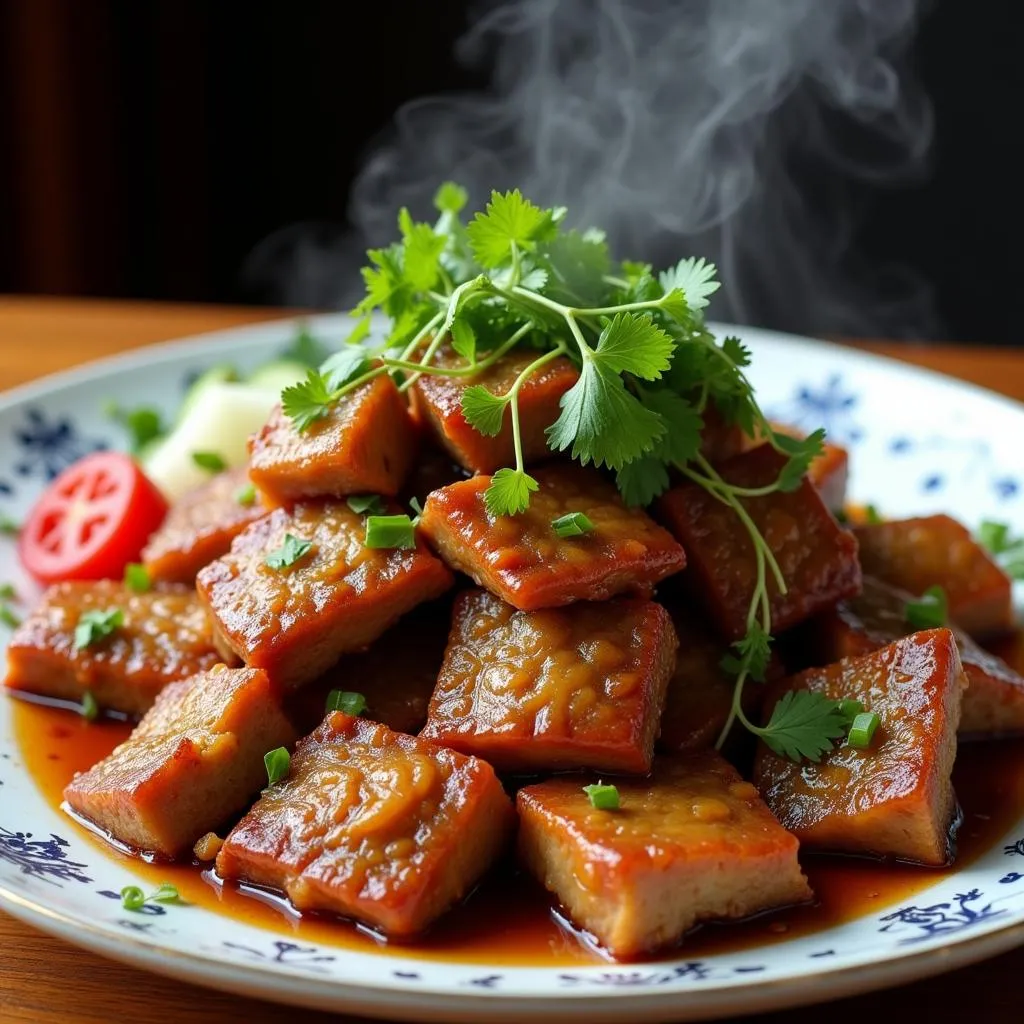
point(148, 146)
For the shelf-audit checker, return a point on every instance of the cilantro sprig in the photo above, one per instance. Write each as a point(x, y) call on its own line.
point(1004, 546)
point(513, 276)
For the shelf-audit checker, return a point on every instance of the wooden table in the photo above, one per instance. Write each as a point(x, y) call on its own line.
point(44, 980)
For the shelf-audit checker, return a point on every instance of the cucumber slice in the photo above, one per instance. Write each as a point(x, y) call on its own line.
point(220, 418)
point(278, 375)
point(216, 374)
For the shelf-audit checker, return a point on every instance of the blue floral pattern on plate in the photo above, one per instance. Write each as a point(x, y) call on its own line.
point(906, 456)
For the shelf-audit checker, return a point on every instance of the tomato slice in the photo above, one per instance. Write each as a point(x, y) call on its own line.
point(91, 521)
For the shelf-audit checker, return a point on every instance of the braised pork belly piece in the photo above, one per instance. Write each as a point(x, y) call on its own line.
point(142, 642)
point(699, 694)
point(438, 402)
point(194, 760)
point(915, 554)
point(364, 444)
point(201, 525)
point(692, 843)
point(993, 703)
point(894, 798)
point(299, 589)
point(575, 687)
point(818, 558)
point(525, 562)
point(374, 825)
point(395, 677)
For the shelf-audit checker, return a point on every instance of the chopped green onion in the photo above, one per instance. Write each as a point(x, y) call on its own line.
point(210, 461)
point(863, 730)
point(872, 515)
point(94, 625)
point(414, 504)
point(132, 898)
point(994, 536)
point(347, 701)
point(277, 763)
point(390, 532)
point(246, 495)
point(572, 524)
point(167, 893)
point(850, 709)
point(8, 527)
point(360, 503)
point(90, 710)
point(604, 798)
point(136, 577)
point(288, 553)
point(929, 612)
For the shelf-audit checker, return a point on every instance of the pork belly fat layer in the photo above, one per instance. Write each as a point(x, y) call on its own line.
point(915, 554)
point(993, 703)
point(575, 687)
point(896, 798)
point(818, 558)
point(195, 759)
point(200, 527)
point(374, 825)
point(365, 444)
point(437, 401)
point(692, 843)
point(296, 621)
point(165, 636)
point(524, 562)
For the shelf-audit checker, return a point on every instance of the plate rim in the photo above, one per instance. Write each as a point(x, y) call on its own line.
point(736, 995)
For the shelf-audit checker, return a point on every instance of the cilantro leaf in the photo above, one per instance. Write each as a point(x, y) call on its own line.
point(212, 462)
point(291, 550)
point(305, 349)
point(930, 611)
point(803, 724)
point(683, 425)
point(752, 651)
point(95, 625)
point(464, 338)
point(509, 492)
point(642, 480)
point(142, 425)
point(801, 453)
point(348, 701)
point(509, 220)
point(308, 401)
point(450, 198)
point(371, 503)
point(576, 266)
point(602, 422)
point(633, 343)
point(484, 410)
point(422, 249)
point(344, 366)
point(695, 278)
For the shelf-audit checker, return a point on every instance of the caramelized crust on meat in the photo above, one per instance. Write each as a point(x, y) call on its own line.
point(365, 444)
point(915, 554)
point(522, 559)
point(895, 799)
point(438, 401)
point(817, 558)
point(297, 621)
point(396, 675)
point(200, 527)
point(993, 703)
point(165, 636)
point(575, 687)
point(194, 760)
point(699, 694)
point(692, 843)
point(373, 825)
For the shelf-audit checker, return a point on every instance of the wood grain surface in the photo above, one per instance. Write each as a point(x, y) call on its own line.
point(44, 979)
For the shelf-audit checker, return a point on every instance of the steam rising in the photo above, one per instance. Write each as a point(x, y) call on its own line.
point(681, 127)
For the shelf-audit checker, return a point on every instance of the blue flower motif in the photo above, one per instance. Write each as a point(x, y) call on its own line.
point(1014, 849)
point(1010, 878)
point(286, 953)
point(941, 918)
point(695, 971)
point(41, 858)
point(830, 406)
point(900, 445)
point(1006, 487)
point(933, 482)
point(49, 446)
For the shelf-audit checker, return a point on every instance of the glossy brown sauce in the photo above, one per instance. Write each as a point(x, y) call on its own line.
point(508, 920)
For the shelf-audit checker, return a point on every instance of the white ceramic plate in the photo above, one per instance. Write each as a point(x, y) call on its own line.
point(920, 443)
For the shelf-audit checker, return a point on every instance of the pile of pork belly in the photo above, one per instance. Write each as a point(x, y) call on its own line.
point(504, 667)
